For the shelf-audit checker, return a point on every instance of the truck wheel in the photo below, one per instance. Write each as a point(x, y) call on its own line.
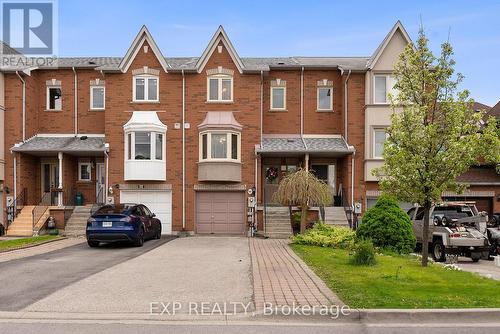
point(444, 221)
point(438, 253)
point(475, 256)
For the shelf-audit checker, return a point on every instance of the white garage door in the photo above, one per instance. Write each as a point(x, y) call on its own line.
point(158, 201)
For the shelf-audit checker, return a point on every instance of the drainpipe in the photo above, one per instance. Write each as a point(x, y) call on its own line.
point(60, 181)
point(261, 104)
point(345, 104)
point(24, 105)
point(106, 182)
point(352, 179)
point(183, 151)
point(302, 102)
point(76, 101)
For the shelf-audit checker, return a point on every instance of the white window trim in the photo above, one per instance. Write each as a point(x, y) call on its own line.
point(146, 88)
point(374, 143)
point(152, 146)
point(389, 84)
point(228, 148)
point(80, 164)
point(48, 98)
point(331, 98)
point(284, 98)
point(92, 98)
point(219, 78)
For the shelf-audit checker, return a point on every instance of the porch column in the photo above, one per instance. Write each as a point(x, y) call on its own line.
point(60, 182)
point(306, 162)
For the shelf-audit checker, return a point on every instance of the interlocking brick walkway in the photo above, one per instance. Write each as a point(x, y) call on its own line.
point(40, 249)
point(280, 277)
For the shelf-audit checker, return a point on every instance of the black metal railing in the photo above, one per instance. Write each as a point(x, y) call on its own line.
point(41, 207)
point(16, 206)
point(69, 197)
point(347, 207)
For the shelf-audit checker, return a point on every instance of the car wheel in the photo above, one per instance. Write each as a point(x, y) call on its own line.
point(140, 238)
point(475, 256)
point(93, 243)
point(158, 233)
point(438, 253)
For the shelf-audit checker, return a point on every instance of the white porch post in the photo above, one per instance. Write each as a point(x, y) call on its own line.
point(60, 182)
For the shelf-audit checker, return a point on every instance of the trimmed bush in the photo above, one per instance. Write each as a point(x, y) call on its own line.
point(364, 253)
point(388, 226)
point(327, 236)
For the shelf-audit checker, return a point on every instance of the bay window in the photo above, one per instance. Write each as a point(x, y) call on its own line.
point(144, 145)
point(220, 146)
point(145, 88)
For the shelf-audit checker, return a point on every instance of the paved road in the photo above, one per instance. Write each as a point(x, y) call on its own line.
point(262, 328)
point(24, 281)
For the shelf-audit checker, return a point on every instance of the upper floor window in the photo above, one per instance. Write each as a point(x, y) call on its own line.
point(97, 97)
point(220, 145)
point(145, 88)
point(278, 94)
point(220, 88)
point(54, 98)
point(144, 145)
point(379, 138)
point(383, 85)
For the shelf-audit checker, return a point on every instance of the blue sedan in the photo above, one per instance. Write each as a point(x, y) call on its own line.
point(122, 222)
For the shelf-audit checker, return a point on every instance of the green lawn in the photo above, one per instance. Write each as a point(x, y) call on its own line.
point(398, 282)
point(23, 242)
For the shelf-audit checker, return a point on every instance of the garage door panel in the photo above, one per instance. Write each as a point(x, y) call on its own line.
point(224, 212)
point(158, 201)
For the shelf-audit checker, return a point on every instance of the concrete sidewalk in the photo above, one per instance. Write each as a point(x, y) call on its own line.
point(194, 269)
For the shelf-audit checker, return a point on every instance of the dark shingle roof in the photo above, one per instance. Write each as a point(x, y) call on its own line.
point(40, 143)
point(307, 144)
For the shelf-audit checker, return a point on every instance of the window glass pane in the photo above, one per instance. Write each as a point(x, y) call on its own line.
point(380, 89)
point(139, 89)
point(214, 89)
point(152, 87)
point(129, 137)
point(142, 146)
point(234, 146)
point(380, 137)
point(278, 98)
point(98, 97)
point(159, 147)
point(84, 172)
point(324, 98)
point(55, 98)
point(219, 146)
point(204, 147)
point(226, 89)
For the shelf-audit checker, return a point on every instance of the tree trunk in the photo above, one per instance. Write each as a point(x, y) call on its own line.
point(303, 218)
point(425, 236)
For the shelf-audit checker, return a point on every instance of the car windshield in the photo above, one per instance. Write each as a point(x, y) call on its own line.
point(113, 209)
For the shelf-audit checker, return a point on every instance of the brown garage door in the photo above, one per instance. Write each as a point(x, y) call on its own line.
point(220, 212)
point(482, 203)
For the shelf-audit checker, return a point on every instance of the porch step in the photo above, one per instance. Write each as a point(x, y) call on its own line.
point(77, 223)
point(335, 216)
point(278, 224)
point(22, 226)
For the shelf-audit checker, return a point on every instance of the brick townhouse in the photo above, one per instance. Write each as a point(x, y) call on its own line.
point(191, 137)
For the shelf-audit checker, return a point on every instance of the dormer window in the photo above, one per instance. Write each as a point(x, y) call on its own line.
point(220, 85)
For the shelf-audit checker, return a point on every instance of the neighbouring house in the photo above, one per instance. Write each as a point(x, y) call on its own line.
point(189, 137)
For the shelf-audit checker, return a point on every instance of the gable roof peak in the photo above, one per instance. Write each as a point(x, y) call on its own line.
point(219, 36)
point(380, 49)
point(142, 36)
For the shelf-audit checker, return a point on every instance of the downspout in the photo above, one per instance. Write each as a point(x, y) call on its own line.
point(24, 105)
point(183, 151)
point(106, 183)
point(261, 133)
point(302, 102)
point(352, 179)
point(76, 101)
point(345, 104)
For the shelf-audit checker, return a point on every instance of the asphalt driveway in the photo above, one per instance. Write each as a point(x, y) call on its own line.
point(24, 281)
point(185, 270)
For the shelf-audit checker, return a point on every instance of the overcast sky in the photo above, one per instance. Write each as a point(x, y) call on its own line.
point(289, 28)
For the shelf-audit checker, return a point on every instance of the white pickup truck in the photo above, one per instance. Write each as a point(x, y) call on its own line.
point(455, 228)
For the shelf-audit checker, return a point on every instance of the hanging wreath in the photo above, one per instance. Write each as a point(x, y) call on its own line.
point(271, 174)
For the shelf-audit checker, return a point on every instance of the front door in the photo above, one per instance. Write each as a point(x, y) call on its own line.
point(325, 173)
point(50, 180)
point(100, 182)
